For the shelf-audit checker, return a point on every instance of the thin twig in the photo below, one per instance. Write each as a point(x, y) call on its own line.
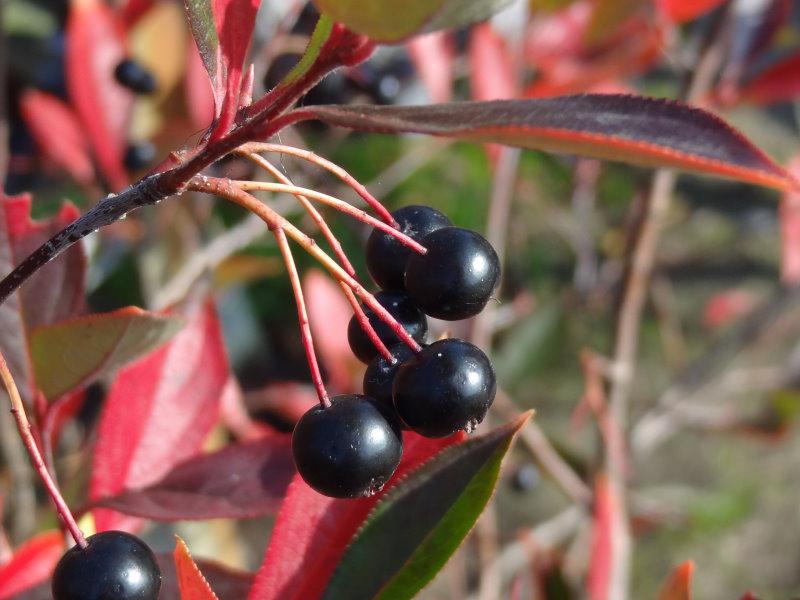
point(24, 427)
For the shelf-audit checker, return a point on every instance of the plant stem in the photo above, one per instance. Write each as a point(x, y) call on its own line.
point(348, 179)
point(24, 427)
point(366, 326)
point(302, 314)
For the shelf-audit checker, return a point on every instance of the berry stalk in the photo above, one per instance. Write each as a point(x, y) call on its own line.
point(24, 427)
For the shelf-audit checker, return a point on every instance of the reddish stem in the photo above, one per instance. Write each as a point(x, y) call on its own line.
point(24, 427)
point(366, 326)
point(302, 314)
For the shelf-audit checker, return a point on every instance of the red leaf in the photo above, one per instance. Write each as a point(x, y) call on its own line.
point(58, 134)
point(312, 531)
point(639, 130)
point(240, 481)
point(728, 306)
point(679, 584)
point(54, 293)
point(191, 583)
point(790, 231)
point(94, 47)
point(681, 11)
point(234, 414)
point(777, 83)
point(32, 563)
point(134, 9)
point(199, 93)
point(329, 313)
point(432, 55)
point(282, 403)
point(600, 561)
point(159, 411)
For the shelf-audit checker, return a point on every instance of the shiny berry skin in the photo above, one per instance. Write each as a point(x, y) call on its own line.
point(446, 387)
point(386, 257)
point(456, 277)
point(402, 309)
point(115, 565)
point(139, 155)
point(134, 76)
point(348, 450)
point(379, 376)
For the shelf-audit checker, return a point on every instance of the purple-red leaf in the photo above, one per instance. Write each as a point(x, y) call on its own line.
point(54, 293)
point(191, 583)
point(778, 83)
point(681, 11)
point(159, 411)
point(643, 131)
point(32, 563)
point(240, 481)
point(433, 58)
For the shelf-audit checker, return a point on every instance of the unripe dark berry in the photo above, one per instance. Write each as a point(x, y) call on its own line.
point(347, 450)
point(402, 309)
point(134, 76)
point(456, 277)
point(379, 376)
point(114, 565)
point(386, 257)
point(139, 155)
point(446, 387)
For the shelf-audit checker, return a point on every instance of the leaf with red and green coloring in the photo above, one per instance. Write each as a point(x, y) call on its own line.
point(608, 16)
point(597, 580)
point(778, 83)
point(679, 584)
point(95, 44)
point(58, 134)
point(415, 528)
point(789, 217)
point(159, 411)
point(204, 31)
point(312, 531)
point(31, 563)
point(682, 11)
point(432, 55)
point(395, 20)
point(70, 354)
point(191, 583)
point(241, 481)
point(638, 130)
point(199, 93)
point(54, 293)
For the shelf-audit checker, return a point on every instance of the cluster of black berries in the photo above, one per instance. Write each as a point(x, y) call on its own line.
point(352, 448)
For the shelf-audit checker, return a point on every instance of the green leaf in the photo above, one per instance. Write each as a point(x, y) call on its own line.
point(73, 353)
point(412, 532)
point(395, 20)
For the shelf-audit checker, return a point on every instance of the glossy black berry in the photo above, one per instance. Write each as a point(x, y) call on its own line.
point(402, 309)
point(446, 387)
point(379, 376)
point(456, 277)
point(386, 257)
point(134, 76)
point(347, 450)
point(139, 155)
point(114, 565)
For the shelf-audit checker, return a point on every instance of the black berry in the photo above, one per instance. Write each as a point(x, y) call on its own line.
point(114, 565)
point(386, 257)
point(139, 155)
point(379, 376)
point(456, 277)
point(446, 387)
point(402, 309)
point(347, 450)
point(135, 77)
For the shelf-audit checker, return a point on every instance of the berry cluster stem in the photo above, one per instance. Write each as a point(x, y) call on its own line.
point(24, 427)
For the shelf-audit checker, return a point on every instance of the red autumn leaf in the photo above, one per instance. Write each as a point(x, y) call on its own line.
point(679, 584)
point(645, 131)
point(329, 314)
point(432, 55)
point(312, 531)
point(789, 215)
point(95, 44)
point(159, 411)
point(777, 83)
point(240, 481)
point(191, 583)
point(728, 306)
point(199, 94)
point(31, 563)
point(58, 134)
point(597, 579)
point(611, 16)
point(551, 38)
point(54, 293)
point(681, 11)
point(133, 9)
point(235, 416)
point(282, 403)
